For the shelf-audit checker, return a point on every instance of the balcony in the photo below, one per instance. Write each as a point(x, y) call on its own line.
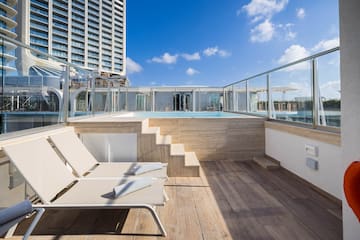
point(40, 4)
point(234, 197)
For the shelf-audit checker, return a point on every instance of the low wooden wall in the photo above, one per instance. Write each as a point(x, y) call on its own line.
point(216, 139)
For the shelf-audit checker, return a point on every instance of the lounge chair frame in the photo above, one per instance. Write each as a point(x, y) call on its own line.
point(45, 164)
point(84, 163)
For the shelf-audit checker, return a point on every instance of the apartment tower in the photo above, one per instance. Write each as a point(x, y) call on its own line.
point(88, 33)
point(7, 28)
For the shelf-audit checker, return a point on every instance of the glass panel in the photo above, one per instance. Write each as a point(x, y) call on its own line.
point(258, 95)
point(240, 97)
point(143, 102)
point(80, 92)
point(209, 101)
point(122, 99)
point(228, 99)
point(291, 91)
point(31, 95)
point(12, 186)
point(329, 89)
point(164, 101)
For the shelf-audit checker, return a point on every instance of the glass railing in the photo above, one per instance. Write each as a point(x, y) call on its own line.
point(37, 95)
point(306, 91)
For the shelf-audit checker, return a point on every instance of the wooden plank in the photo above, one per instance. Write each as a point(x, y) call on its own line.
point(168, 213)
point(188, 223)
point(241, 201)
point(145, 226)
point(213, 225)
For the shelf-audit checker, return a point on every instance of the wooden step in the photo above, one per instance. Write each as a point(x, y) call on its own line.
point(163, 139)
point(151, 130)
point(177, 150)
point(267, 163)
point(191, 159)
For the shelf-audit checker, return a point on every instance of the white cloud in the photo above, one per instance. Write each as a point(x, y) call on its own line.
point(330, 90)
point(263, 32)
point(290, 35)
point(191, 57)
point(263, 9)
point(261, 12)
point(294, 53)
point(326, 44)
point(167, 58)
point(212, 51)
point(191, 71)
point(300, 13)
point(132, 66)
point(286, 31)
point(224, 53)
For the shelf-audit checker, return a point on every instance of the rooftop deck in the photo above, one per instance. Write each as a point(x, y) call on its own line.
point(231, 200)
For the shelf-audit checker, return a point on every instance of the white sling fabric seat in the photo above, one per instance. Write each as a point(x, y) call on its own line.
point(85, 164)
point(57, 187)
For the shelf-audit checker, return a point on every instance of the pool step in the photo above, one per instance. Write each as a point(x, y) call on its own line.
point(191, 159)
point(177, 149)
point(163, 139)
point(267, 162)
point(151, 130)
point(192, 164)
point(156, 147)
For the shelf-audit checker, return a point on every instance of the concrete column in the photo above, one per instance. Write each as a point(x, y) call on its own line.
point(350, 99)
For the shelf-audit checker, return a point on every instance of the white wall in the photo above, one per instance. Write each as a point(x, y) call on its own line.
point(350, 99)
point(112, 147)
point(289, 149)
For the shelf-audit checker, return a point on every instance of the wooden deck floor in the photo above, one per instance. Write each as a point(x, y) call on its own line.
point(233, 200)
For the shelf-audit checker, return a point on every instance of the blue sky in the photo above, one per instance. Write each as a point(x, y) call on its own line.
point(214, 42)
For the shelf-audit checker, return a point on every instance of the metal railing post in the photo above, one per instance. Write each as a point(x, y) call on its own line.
point(269, 97)
point(315, 93)
point(247, 96)
point(234, 109)
point(193, 100)
point(153, 100)
point(92, 95)
point(66, 93)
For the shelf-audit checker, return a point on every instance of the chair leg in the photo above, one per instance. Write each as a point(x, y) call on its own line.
point(157, 220)
point(39, 213)
point(11, 231)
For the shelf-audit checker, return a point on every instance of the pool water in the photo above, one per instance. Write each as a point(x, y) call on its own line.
point(182, 115)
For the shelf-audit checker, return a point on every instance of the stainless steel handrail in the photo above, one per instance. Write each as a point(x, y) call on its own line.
point(286, 65)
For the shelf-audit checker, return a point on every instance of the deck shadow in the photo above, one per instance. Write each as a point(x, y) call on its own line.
point(77, 222)
point(260, 204)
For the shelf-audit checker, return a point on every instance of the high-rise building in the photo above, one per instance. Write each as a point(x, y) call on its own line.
point(7, 28)
point(89, 33)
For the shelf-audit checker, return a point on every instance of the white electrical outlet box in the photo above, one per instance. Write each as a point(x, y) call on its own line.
point(311, 150)
point(312, 163)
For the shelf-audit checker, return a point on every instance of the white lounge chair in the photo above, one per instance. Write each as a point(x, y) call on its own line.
point(56, 187)
point(84, 163)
